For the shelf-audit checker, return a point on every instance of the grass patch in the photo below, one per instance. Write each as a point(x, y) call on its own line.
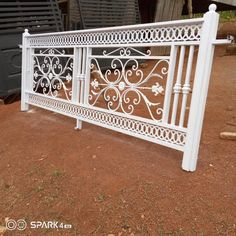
point(57, 173)
point(225, 16)
point(100, 198)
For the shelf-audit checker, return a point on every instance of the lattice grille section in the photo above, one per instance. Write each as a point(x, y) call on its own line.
point(138, 128)
point(154, 34)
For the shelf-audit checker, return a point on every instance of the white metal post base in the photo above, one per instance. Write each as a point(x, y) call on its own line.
point(24, 106)
point(78, 125)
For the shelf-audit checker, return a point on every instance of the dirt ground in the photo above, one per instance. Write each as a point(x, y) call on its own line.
point(102, 182)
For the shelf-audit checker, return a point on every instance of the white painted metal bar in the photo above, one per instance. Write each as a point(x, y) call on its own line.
point(115, 45)
point(76, 72)
point(82, 77)
point(133, 57)
point(49, 55)
point(87, 75)
point(177, 87)
point(186, 88)
point(31, 69)
point(24, 104)
point(200, 88)
point(127, 27)
point(223, 41)
point(75, 81)
point(169, 83)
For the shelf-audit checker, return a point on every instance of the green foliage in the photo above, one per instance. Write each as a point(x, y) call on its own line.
point(57, 173)
point(224, 16)
point(227, 16)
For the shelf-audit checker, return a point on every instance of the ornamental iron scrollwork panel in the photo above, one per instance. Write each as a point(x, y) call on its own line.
point(52, 73)
point(127, 87)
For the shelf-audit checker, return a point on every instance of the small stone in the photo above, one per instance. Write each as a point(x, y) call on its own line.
point(228, 135)
point(31, 111)
point(142, 216)
point(210, 165)
point(94, 156)
point(229, 108)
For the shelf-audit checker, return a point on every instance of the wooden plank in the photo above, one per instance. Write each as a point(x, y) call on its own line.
point(14, 4)
point(15, 14)
point(33, 29)
point(108, 13)
point(31, 18)
point(23, 9)
point(24, 24)
point(165, 11)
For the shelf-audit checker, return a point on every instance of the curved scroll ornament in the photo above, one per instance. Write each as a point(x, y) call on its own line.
point(52, 73)
point(121, 93)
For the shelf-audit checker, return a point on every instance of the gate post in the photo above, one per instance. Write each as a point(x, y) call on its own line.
point(200, 88)
point(24, 71)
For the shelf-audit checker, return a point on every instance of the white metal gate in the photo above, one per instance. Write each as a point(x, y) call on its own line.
point(157, 98)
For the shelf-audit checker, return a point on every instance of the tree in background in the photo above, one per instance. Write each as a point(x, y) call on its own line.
point(190, 8)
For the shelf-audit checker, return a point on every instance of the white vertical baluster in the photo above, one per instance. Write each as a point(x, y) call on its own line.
point(76, 72)
point(31, 70)
point(82, 78)
point(177, 87)
point(75, 81)
point(169, 83)
point(200, 88)
point(24, 74)
point(87, 76)
point(186, 88)
point(79, 72)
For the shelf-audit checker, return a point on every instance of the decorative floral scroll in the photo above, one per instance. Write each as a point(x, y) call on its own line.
point(122, 85)
point(53, 73)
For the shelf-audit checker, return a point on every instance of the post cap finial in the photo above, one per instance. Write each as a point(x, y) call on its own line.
point(26, 31)
point(212, 7)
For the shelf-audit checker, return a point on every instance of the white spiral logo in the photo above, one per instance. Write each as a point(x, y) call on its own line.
point(11, 224)
point(21, 224)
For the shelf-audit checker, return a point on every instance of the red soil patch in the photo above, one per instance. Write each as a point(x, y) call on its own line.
point(103, 182)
